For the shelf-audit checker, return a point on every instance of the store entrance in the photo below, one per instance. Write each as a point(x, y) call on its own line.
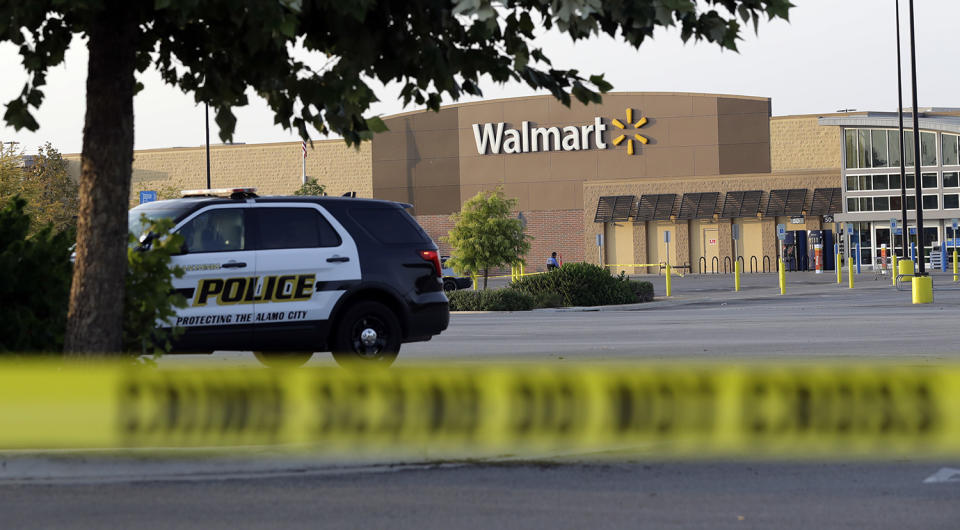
point(931, 239)
point(881, 237)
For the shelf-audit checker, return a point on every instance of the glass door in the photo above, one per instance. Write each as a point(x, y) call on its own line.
point(862, 230)
point(931, 238)
point(881, 237)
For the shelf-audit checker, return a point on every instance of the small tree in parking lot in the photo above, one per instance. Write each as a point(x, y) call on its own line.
point(487, 235)
point(311, 187)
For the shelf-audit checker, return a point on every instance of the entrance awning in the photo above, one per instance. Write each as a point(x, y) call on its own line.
point(698, 205)
point(786, 202)
point(741, 204)
point(613, 208)
point(658, 207)
point(826, 201)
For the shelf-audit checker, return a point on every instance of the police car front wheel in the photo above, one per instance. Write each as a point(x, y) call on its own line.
point(368, 334)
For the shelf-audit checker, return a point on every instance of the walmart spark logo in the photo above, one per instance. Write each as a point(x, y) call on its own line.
point(636, 136)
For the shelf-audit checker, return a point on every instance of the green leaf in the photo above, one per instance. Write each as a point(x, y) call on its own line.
point(376, 125)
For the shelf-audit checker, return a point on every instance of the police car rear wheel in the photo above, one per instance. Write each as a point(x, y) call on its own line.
point(278, 359)
point(368, 335)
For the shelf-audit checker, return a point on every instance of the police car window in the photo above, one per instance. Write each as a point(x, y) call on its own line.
point(295, 228)
point(389, 225)
point(219, 230)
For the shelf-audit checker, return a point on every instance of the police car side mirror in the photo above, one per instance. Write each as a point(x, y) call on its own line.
point(145, 240)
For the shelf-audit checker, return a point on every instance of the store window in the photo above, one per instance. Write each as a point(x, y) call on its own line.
point(948, 143)
point(865, 158)
point(894, 148)
point(852, 183)
point(930, 202)
point(895, 182)
point(879, 147)
point(951, 179)
point(850, 139)
point(879, 182)
point(928, 148)
point(908, 148)
point(928, 180)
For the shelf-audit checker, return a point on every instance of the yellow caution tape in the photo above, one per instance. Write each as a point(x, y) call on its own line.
point(655, 410)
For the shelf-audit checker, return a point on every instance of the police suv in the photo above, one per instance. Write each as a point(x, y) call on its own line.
point(287, 276)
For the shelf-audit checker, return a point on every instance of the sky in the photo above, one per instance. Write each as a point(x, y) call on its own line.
point(832, 54)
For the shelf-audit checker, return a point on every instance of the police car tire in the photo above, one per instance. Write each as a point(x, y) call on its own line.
point(282, 359)
point(449, 285)
point(349, 348)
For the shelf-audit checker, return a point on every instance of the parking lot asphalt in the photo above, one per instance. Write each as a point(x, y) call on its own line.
point(704, 319)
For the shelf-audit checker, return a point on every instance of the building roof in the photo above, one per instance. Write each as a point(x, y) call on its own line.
point(933, 120)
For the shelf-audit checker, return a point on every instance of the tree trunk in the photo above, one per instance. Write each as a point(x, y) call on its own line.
point(95, 317)
point(486, 272)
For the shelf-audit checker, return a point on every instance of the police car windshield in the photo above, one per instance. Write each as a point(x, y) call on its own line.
point(135, 222)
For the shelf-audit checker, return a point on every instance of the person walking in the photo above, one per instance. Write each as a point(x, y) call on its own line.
point(552, 262)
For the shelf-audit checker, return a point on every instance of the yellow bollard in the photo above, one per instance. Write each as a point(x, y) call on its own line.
point(905, 267)
point(850, 271)
point(893, 269)
point(922, 290)
point(474, 276)
point(736, 276)
point(521, 268)
point(954, 264)
point(783, 277)
point(668, 280)
point(836, 264)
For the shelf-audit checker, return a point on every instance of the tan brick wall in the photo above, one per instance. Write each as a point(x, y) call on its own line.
point(274, 169)
point(800, 142)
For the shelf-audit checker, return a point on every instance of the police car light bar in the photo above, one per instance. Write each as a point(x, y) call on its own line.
point(219, 192)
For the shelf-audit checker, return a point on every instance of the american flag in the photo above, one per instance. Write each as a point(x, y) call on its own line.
point(303, 145)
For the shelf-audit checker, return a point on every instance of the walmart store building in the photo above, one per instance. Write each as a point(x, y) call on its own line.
point(702, 167)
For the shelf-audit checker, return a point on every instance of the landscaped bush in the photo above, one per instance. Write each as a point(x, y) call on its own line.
point(496, 300)
point(580, 284)
point(643, 290)
point(35, 273)
point(547, 299)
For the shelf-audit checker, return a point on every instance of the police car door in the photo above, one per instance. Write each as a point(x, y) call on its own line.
point(219, 280)
point(305, 261)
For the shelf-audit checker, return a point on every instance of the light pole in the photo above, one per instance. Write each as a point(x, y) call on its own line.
point(916, 149)
point(903, 170)
point(206, 112)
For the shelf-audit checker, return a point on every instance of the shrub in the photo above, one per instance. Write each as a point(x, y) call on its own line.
point(580, 284)
point(35, 275)
point(643, 290)
point(497, 300)
point(548, 299)
point(149, 295)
